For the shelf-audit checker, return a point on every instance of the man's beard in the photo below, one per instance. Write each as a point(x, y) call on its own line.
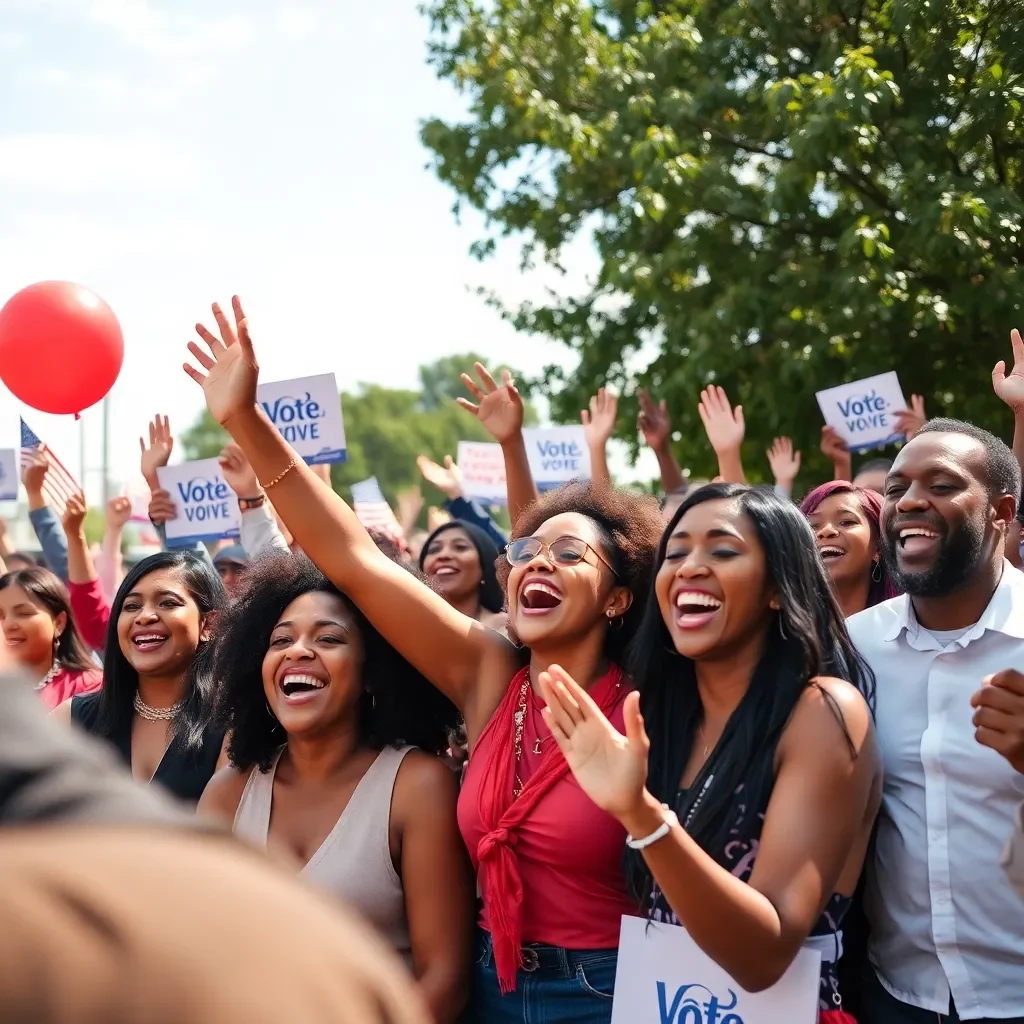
point(960, 555)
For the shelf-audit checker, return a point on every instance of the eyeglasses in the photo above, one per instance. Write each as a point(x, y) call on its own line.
point(563, 551)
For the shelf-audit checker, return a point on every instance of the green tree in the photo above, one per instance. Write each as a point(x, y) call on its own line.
point(783, 195)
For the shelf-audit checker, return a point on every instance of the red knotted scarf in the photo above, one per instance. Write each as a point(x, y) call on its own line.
point(501, 815)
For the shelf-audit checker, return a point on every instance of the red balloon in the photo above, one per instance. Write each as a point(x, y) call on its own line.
point(61, 347)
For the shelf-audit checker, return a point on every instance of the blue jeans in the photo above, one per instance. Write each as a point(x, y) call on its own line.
point(558, 986)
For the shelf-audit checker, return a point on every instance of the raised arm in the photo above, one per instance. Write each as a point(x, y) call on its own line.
point(88, 604)
point(462, 658)
point(1009, 387)
point(598, 426)
point(725, 429)
point(500, 410)
point(656, 426)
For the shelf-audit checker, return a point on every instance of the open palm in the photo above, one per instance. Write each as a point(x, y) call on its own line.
point(232, 371)
point(1010, 386)
point(499, 409)
point(609, 767)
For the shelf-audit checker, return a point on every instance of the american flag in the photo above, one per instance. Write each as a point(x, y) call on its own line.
point(372, 510)
point(59, 484)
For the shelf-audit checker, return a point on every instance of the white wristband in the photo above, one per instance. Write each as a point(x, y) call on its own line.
point(659, 833)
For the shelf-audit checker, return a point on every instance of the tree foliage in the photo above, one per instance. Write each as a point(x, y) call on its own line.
point(783, 194)
point(385, 430)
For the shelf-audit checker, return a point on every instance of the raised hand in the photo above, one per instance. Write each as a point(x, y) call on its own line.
point(74, 515)
point(784, 461)
point(33, 473)
point(1009, 387)
point(909, 421)
point(499, 409)
point(157, 454)
point(238, 474)
point(599, 420)
point(610, 768)
point(653, 422)
point(119, 511)
point(231, 368)
point(723, 423)
point(447, 478)
point(410, 504)
point(161, 507)
point(999, 715)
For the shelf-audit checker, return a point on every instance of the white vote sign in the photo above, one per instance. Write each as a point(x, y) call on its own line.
point(207, 508)
point(483, 472)
point(8, 474)
point(557, 455)
point(863, 412)
point(663, 977)
point(307, 414)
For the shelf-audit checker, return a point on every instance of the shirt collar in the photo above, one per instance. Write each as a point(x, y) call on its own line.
point(1004, 614)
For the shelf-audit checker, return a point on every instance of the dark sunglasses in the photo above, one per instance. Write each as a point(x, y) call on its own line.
point(563, 551)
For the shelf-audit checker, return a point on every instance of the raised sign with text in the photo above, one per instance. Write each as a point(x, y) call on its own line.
point(863, 413)
point(307, 414)
point(8, 474)
point(207, 508)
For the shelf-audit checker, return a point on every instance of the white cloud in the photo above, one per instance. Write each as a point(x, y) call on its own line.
point(73, 163)
point(296, 23)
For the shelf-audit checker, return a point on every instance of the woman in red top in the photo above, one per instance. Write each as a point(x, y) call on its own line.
point(549, 863)
point(39, 630)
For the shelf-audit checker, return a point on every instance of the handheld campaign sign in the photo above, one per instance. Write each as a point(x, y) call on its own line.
point(862, 413)
point(483, 472)
point(8, 474)
point(663, 977)
point(557, 455)
point(307, 414)
point(207, 507)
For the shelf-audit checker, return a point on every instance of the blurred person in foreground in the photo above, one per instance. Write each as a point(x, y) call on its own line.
point(117, 907)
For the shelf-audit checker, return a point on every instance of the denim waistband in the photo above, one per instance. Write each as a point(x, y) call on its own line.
point(538, 957)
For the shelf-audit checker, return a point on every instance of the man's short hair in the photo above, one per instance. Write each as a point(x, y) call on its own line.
point(1004, 475)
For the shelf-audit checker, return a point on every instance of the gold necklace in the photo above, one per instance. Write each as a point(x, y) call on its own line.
point(707, 748)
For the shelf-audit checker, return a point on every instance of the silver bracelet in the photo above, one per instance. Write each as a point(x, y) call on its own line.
point(659, 833)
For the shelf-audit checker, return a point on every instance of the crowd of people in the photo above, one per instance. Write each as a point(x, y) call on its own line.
point(780, 725)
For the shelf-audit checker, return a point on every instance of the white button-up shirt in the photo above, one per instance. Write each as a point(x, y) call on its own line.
point(944, 916)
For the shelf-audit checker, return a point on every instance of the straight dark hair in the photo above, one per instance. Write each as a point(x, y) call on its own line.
point(121, 681)
point(48, 592)
point(808, 639)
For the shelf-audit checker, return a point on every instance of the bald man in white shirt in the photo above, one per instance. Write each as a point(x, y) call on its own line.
point(947, 926)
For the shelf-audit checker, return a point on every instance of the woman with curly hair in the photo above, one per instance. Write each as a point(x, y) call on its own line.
point(844, 520)
point(576, 575)
point(323, 716)
point(40, 632)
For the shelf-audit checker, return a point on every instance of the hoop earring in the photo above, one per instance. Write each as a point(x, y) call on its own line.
point(614, 623)
point(876, 571)
point(273, 717)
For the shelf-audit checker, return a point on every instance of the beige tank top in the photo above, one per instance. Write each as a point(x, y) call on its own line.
point(354, 861)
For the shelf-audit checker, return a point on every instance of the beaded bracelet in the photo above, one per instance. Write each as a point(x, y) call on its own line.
point(280, 476)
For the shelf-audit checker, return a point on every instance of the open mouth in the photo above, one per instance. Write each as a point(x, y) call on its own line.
point(917, 540)
point(829, 553)
point(446, 570)
point(695, 609)
point(299, 687)
point(146, 642)
point(537, 597)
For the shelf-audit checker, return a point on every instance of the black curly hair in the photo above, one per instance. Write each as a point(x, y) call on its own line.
point(398, 707)
point(630, 526)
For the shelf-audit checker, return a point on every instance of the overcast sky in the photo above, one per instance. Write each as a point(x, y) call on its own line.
point(167, 153)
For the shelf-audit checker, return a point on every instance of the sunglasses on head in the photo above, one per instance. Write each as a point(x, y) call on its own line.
point(563, 551)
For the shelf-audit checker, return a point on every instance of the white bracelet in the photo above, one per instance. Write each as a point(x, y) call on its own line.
point(659, 833)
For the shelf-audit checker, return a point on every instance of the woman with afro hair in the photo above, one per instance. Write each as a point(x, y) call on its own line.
point(324, 721)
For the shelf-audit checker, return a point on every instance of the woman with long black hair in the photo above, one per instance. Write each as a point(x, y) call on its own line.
point(157, 699)
point(459, 558)
point(750, 807)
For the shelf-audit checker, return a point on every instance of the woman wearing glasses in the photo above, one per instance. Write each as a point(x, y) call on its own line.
point(549, 863)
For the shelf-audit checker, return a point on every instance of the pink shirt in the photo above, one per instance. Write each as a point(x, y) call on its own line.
point(570, 852)
point(91, 610)
point(70, 684)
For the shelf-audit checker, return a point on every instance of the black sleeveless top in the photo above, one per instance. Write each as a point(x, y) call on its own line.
point(184, 773)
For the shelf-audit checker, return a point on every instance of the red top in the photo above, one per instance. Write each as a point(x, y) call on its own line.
point(68, 685)
point(569, 852)
point(91, 610)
